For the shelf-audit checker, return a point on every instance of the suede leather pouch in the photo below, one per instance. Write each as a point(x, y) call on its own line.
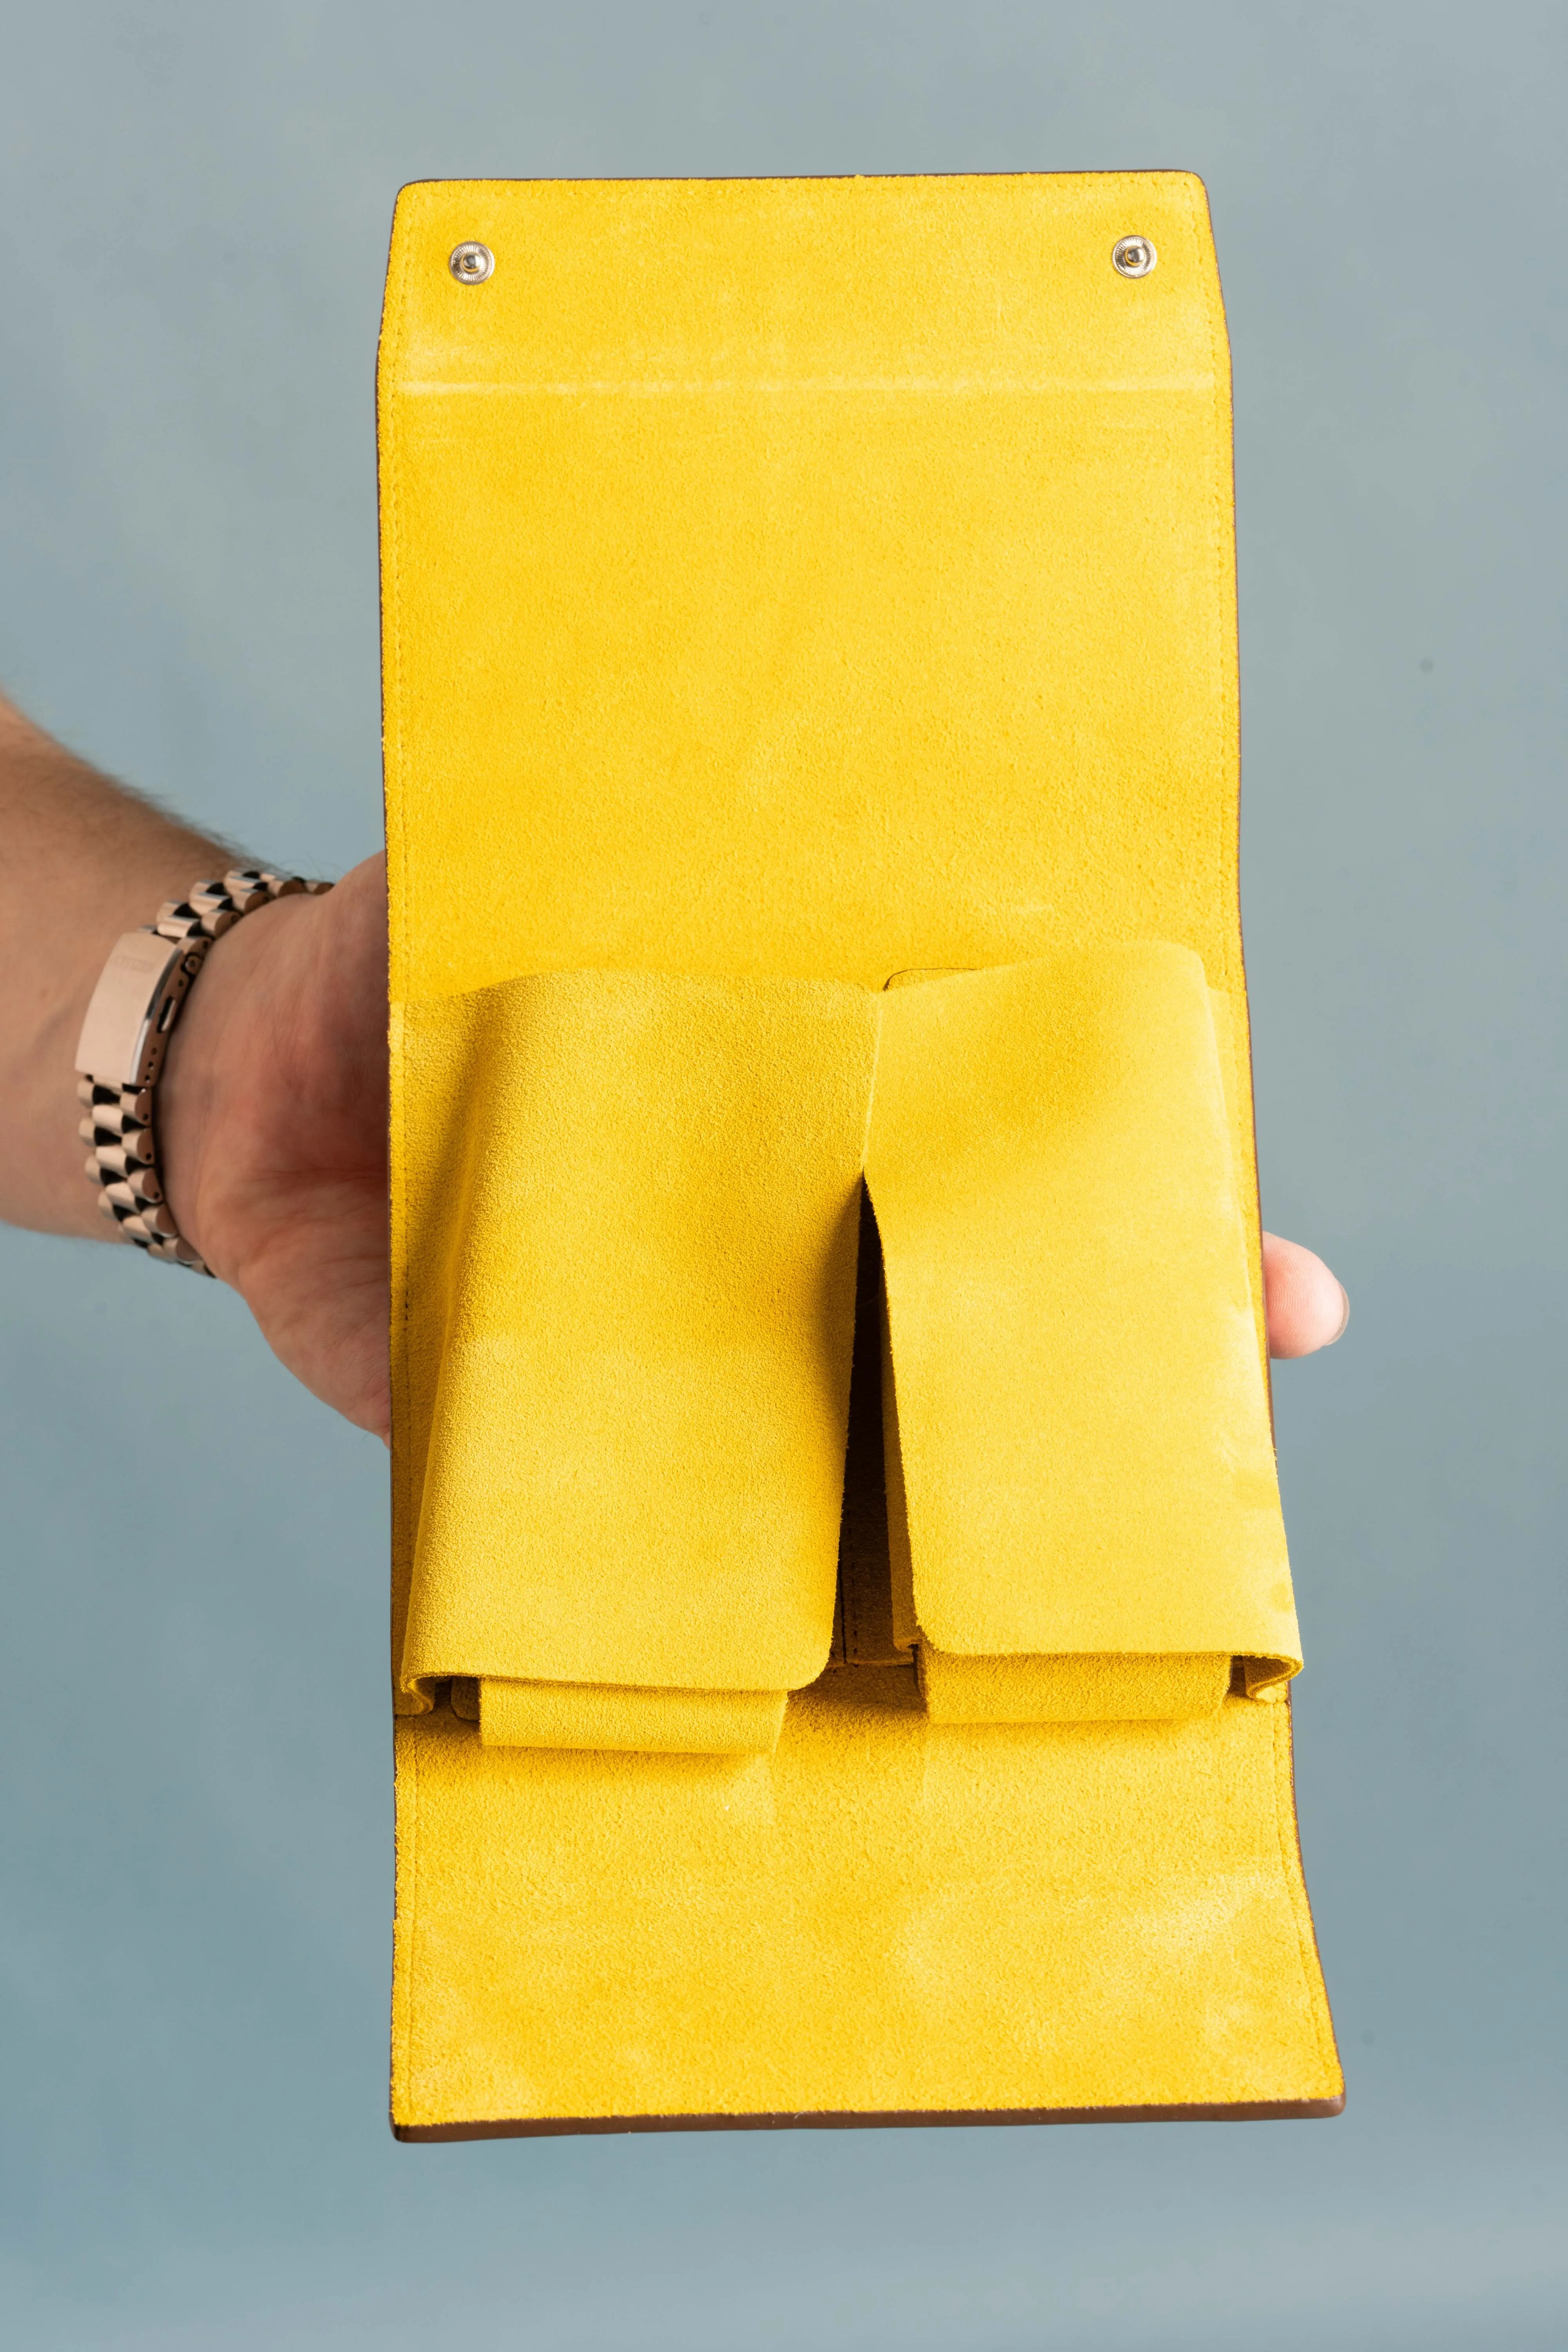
point(644, 1237)
point(841, 1599)
point(1082, 1422)
point(642, 1219)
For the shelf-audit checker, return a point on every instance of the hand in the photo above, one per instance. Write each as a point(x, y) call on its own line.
point(273, 1112)
point(1307, 1307)
point(274, 1146)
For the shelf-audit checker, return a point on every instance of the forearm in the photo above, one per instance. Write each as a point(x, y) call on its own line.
point(83, 860)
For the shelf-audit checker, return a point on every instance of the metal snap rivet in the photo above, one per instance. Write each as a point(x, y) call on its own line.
point(471, 264)
point(1134, 256)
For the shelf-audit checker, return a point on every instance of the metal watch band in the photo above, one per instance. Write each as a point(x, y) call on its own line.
point(125, 1036)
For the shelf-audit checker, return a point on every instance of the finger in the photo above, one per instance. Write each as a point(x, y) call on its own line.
point(1308, 1307)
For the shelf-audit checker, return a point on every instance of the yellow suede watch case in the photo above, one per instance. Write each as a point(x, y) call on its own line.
point(841, 1616)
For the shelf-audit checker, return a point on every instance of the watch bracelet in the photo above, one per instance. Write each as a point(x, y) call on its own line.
point(119, 1124)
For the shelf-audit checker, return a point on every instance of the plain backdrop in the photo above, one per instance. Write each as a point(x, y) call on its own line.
point(195, 202)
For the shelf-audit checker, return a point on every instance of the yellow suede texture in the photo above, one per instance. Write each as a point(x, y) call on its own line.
point(636, 1240)
point(641, 1257)
point(1114, 1687)
point(886, 1915)
point(1083, 1418)
point(653, 1722)
point(809, 582)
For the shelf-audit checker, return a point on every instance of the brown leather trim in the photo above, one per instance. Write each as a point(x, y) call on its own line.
point(1255, 2110)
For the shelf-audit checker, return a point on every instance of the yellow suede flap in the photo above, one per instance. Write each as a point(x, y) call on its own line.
point(887, 1915)
point(1082, 1689)
point(653, 1722)
point(813, 576)
point(1082, 1427)
point(631, 1262)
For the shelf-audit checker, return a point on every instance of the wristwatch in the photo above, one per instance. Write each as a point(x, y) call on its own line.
point(120, 1055)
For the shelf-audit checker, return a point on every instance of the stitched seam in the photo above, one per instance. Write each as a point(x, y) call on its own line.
point(1225, 695)
point(410, 1770)
point(1228, 683)
point(395, 767)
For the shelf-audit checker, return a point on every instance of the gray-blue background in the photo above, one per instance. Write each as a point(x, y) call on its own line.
point(194, 1928)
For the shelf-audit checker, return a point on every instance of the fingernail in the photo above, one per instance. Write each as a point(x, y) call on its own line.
point(1345, 1319)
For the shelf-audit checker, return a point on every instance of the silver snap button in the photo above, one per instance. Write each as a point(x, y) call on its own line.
point(1134, 256)
point(471, 264)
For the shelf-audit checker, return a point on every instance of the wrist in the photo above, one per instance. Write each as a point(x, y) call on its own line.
point(132, 1029)
point(203, 1092)
point(50, 971)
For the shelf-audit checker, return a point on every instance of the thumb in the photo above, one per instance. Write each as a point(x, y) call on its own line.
point(1308, 1307)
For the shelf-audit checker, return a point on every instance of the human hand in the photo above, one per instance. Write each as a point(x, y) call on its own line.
point(272, 1118)
point(1307, 1306)
point(273, 1110)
